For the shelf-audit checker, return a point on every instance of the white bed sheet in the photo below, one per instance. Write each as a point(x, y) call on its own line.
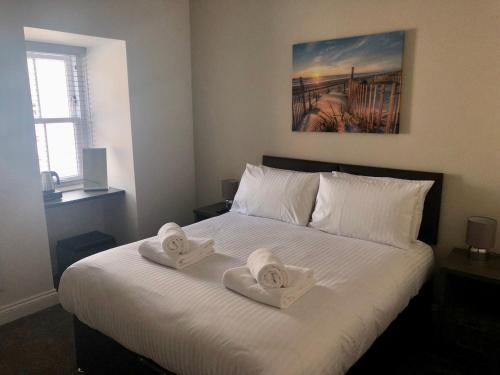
point(187, 322)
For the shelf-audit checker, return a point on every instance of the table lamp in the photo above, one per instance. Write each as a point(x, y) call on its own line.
point(481, 233)
point(229, 189)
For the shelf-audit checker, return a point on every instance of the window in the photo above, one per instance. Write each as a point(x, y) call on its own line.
point(58, 87)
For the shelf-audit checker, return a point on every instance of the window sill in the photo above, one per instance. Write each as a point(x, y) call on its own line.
point(70, 186)
point(77, 196)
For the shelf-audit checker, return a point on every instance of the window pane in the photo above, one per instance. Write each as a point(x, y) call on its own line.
point(33, 89)
point(62, 149)
point(41, 147)
point(52, 88)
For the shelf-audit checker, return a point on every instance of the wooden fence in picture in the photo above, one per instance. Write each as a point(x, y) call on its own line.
point(305, 97)
point(367, 101)
point(371, 101)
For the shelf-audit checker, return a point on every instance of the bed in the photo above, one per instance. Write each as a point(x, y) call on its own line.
point(134, 316)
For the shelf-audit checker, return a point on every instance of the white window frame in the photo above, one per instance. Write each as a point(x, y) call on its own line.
point(79, 109)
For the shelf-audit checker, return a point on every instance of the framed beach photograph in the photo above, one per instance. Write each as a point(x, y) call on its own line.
point(348, 85)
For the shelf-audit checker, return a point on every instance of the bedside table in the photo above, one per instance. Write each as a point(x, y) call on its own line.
point(212, 210)
point(470, 310)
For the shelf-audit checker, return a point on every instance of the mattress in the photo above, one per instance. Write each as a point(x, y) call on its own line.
point(188, 323)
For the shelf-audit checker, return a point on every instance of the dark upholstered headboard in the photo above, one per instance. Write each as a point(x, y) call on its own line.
point(429, 228)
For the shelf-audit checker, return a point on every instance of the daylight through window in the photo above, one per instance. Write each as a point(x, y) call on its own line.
point(60, 111)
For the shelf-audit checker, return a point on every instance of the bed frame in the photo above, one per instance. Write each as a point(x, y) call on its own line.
point(99, 354)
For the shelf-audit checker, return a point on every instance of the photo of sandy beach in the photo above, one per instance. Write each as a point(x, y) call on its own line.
point(348, 85)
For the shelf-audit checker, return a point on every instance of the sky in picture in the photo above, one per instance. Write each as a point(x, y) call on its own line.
point(368, 54)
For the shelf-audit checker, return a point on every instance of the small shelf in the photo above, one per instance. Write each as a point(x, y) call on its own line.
point(77, 196)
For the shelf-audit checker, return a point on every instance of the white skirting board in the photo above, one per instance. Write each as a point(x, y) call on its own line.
point(28, 306)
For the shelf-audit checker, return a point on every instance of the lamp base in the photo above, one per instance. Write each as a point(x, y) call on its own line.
point(478, 254)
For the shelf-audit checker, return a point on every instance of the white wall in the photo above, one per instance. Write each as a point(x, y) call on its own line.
point(24, 254)
point(158, 57)
point(450, 118)
point(110, 109)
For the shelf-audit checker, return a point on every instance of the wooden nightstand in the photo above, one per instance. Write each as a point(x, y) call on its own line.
point(212, 210)
point(470, 310)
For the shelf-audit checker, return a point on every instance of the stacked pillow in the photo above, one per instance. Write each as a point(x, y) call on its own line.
point(379, 209)
point(276, 194)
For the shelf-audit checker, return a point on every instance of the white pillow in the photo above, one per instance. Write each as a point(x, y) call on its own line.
point(276, 194)
point(375, 209)
point(423, 187)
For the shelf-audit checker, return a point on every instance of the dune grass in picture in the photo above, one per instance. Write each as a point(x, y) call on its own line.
point(348, 85)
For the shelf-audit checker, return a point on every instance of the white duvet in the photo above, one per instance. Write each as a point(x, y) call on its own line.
point(187, 322)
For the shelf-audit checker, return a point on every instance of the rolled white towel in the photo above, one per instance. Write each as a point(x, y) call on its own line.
point(195, 244)
point(173, 239)
point(267, 269)
point(241, 281)
point(152, 250)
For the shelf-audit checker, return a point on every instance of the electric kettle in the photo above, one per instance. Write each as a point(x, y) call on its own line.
point(48, 184)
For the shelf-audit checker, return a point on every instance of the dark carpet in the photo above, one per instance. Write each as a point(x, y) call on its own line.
point(42, 344)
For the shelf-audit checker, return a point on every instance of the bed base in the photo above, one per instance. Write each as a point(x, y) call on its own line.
point(412, 330)
point(99, 354)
